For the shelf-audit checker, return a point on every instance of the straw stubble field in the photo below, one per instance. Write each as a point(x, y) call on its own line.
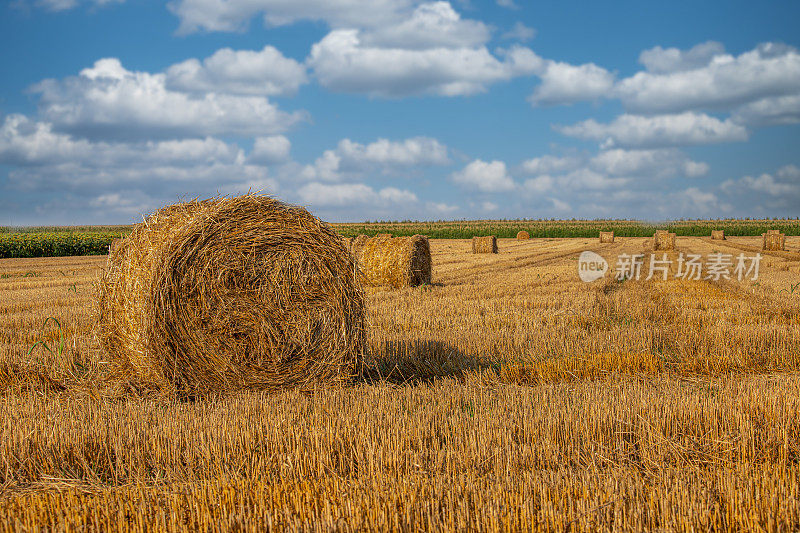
point(506, 395)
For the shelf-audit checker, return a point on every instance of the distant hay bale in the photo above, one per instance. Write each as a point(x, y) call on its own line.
point(773, 232)
point(606, 236)
point(484, 245)
point(395, 261)
point(229, 293)
point(523, 235)
point(773, 241)
point(663, 240)
point(717, 235)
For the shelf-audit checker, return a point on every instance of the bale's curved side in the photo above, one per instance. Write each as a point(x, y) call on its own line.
point(232, 293)
point(663, 240)
point(523, 235)
point(395, 261)
point(484, 245)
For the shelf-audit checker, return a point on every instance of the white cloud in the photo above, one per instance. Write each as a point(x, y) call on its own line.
point(109, 101)
point(549, 164)
point(489, 206)
point(349, 194)
point(485, 177)
point(786, 182)
point(409, 152)
point(25, 142)
point(664, 60)
point(651, 163)
point(270, 150)
point(658, 131)
point(539, 184)
point(723, 82)
point(770, 111)
point(342, 62)
point(354, 158)
point(563, 83)
point(441, 208)
point(62, 5)
point(520, 32)
point(233, 15)
point(507, 3)
point(431, 25)
point(266, 72)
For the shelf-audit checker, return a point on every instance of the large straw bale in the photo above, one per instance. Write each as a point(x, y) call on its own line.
point(358, 244)
point(773, 241)
point(717, 235)
point(606, 236)
point(523, 235)
point(484, 245)
point(663, 240)
point(395, 261)
point(228, 293)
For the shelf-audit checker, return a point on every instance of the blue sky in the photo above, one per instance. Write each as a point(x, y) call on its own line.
point(400, 109)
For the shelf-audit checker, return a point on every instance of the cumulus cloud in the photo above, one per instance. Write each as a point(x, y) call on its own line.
point(342, 62)
point(705, 78)
point(664, 60)
point(785, 182)
point(653, 163)
point(771, 111)
point(484, 177)
point(520, 32)
point(431, 25)
point(270, 150)
point(563, 83)
point(248, 72)
point(233, 15)
point(637, 131)
point(62, 5)
point(353, 158)
point(107, 101)
point(549, 164)
point(351, 194)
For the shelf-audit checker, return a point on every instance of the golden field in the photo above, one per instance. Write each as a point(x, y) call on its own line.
point(507, 395)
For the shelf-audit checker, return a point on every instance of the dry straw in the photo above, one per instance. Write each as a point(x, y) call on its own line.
point(395, 261)
point(773, 240)
point(523, 235)
point(228, 293)
point(717, 235)
point(606, 236)
point(663, 240)
point(484, 245)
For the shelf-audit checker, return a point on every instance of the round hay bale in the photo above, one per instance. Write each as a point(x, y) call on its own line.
point(523, 235)
point(663, 240)
point(358, 244)
point(396, 261)
point(484, 245)
point(717, 235)
point(773, 241)
point(607, 236)
point(231, 293)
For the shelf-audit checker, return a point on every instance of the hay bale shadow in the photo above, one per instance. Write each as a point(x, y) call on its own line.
point(417, 361)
